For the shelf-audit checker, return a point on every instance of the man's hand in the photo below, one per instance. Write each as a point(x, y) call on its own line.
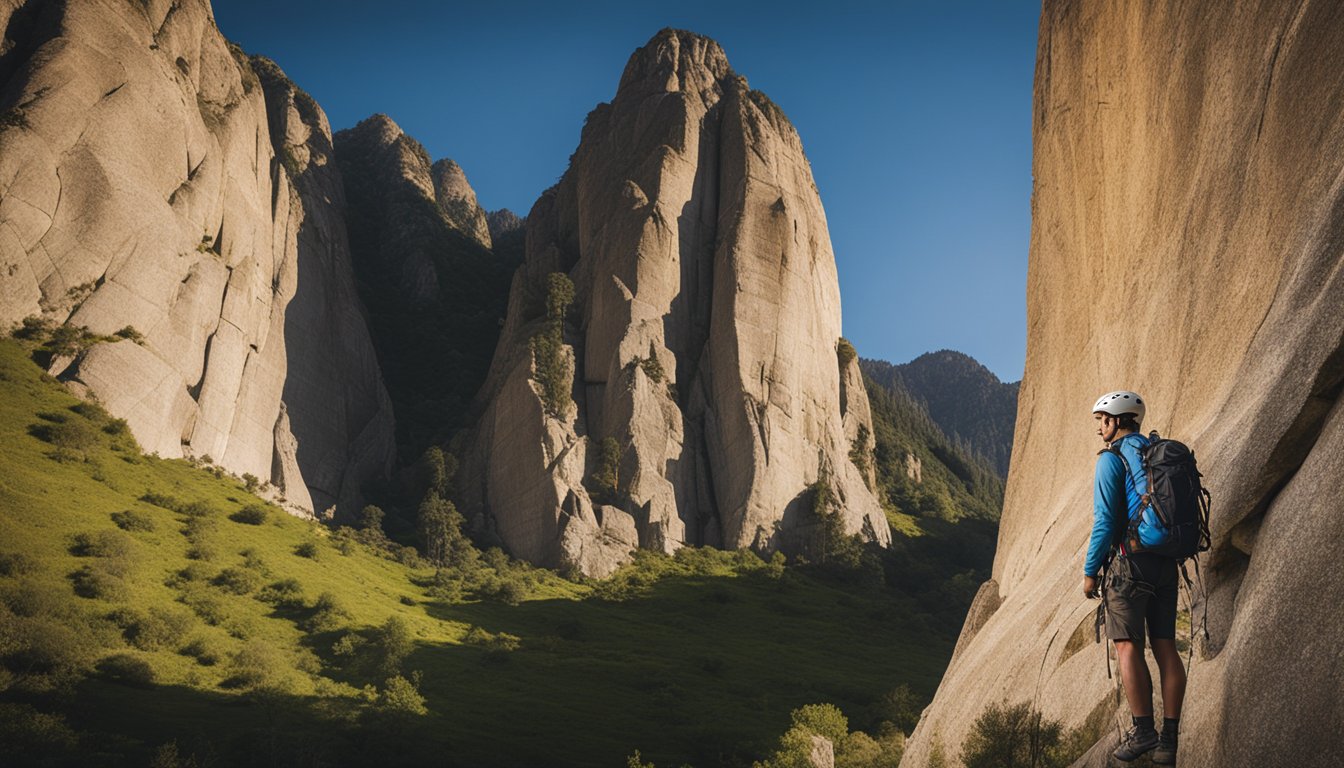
point(1090, 587)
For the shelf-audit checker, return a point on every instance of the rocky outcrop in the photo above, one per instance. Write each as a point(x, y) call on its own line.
point(503, 222)
point(435, 292)
point(698, 363)
point(457, 200)
point(1188, 226)
point(213, 229)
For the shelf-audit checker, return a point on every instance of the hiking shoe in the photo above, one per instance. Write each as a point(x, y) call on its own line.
point(1138, 742)
point(1165, 754)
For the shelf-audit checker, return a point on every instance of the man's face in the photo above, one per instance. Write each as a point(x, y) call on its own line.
point(1107, 425)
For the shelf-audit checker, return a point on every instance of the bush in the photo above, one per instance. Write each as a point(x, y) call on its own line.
point(239, 581)
point(252, 514)
point(258, 664)
point(160, 627)
point(402, 696)
point(205, 652)
point(127, 669)
point(329, 614)
point(44, 647)
point(250, 482)
point(110, 544)
point(130, 520)
point(102, 580)
point(307, 549)
point(550, 363)
point(206, 605)
point(129, 332)
point(1016, 736)
point(16, 564)
point(286, 593)
point(393, 643)
point(845, 352)
point(75, 435)
point(605, 480)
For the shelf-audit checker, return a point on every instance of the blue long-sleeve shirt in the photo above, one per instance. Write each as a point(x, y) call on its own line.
point(1113, 497)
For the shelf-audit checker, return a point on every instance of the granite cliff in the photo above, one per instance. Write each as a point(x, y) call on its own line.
point(1188, 227)
point(694, 392)
point(155, 178)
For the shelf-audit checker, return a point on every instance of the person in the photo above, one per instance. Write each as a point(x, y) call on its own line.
point(1141, 587)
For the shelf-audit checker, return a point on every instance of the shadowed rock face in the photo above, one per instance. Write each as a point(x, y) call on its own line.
point(1188, 227)
point(151, 176)
point(702, 338)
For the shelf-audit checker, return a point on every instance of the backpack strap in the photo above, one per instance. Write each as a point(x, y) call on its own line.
point(1123, 529)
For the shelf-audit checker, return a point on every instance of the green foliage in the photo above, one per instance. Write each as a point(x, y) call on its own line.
point(551, 366)
point(238, 581)
point(393, 643)
point(127, 669)
point(329, 613)
point(859, 453)
point(851, 750)
point(131, 520)
point(606, 479)
point(250, 482)
point(16, 564)
point(439, 470)
point(159, 627)
point(402, 696)
point(129, 332)
point(1013, 737)
point(845, 352)
point(252, 514)
point(633, 653)
point(440, 527)
point(306, 549)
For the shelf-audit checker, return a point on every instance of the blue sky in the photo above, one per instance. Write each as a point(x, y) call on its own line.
point(916, 117)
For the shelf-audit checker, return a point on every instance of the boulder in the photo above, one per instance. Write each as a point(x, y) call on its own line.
point(1188, 225)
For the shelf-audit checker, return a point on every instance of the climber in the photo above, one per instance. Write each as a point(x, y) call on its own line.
point(1141, 587)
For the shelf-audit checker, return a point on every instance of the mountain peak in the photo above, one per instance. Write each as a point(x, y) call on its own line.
point(674, 60)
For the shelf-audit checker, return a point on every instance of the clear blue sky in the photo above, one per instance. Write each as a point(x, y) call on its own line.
point(916, 117)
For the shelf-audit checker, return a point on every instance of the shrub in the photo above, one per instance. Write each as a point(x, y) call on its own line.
point(160, 627)
point(393, 643)
point(127, 669)
point(239, 581)
point(329, 613)
point(402, 696)
point(196, 509)
point(162, 500)
point(16, 564)
point(252, 514)
point(129, 332)
point(98, 581)
point(845, 352)
point(1013, 736)
point(131, 520)
point(250, 482)
point(550, 363)
point(286, 593)
point(605, 480)
point(349, 644)
point(901, 707)
point(257, 664)
point(209, 607)
point(205, 652)
point(46, 647)
point(307, 549)
point(75, 435)
point(113, 544)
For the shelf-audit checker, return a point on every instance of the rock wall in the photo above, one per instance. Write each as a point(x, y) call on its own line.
point(703, 337)
point(1187, 234)
point(152, 176)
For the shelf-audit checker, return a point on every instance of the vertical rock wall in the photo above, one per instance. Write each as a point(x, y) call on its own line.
point(149, 178)
point(1187, 242)
point(703, 334)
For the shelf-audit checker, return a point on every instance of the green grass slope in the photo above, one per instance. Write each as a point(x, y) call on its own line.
point(152, 611)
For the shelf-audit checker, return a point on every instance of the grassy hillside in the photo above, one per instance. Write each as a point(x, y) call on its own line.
point(151, 610)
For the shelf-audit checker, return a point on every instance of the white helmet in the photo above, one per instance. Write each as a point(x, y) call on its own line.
point(1121, 402)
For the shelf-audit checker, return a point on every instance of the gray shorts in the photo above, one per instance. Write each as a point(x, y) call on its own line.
point(1141, 588)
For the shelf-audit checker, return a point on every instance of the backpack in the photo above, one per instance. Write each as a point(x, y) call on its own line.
point(1178, 501)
